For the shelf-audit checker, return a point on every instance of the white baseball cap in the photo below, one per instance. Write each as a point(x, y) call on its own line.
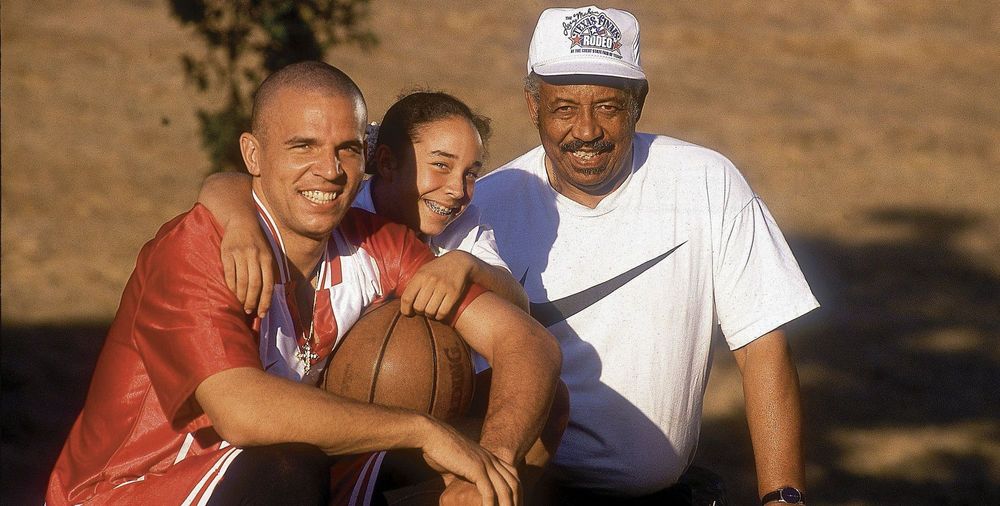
point(587, 41)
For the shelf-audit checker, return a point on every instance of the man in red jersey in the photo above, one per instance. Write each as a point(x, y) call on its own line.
point(190, 405)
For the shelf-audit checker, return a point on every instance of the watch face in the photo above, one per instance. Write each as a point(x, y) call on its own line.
point(790, 495)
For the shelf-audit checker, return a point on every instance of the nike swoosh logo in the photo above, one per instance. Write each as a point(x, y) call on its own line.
point(552, 312)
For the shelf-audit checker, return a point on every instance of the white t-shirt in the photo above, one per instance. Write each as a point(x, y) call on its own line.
point(467, 233)
point(633, 290)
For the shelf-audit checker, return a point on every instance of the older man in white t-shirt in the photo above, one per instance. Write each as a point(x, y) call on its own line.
point(633, 249)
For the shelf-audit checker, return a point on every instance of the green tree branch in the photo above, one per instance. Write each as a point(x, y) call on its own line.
point(248, 39)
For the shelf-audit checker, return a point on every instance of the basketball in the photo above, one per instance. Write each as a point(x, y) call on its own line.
point(408, 362)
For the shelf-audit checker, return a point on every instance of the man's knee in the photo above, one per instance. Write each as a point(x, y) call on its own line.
point(264, 474)
point(293, 460)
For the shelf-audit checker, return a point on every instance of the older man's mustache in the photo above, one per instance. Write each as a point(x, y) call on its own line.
point(598, 146)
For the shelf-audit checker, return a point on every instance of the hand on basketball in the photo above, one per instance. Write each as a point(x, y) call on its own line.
point(473, 475)
point(438, 286)
point(248, 265)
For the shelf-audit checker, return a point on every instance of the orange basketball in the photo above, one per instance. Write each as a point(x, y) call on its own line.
point(408, 362)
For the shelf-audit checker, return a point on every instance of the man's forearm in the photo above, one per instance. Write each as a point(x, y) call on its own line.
point(500, 282)
point(227, 196)
point(774, 413)
point(250, 408)
point(517, 409)
point(526, 361)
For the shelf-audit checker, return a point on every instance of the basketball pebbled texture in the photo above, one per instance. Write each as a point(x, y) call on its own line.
point(408, 362)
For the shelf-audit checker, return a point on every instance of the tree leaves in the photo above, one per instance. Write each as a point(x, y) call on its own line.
point(247, 40)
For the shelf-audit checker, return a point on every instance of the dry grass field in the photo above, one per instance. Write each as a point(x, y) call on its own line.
point(871, 128)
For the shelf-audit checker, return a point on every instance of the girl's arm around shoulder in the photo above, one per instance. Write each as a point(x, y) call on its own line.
point(246, 254)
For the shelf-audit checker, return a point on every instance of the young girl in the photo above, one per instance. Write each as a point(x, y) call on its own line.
point(428, 152)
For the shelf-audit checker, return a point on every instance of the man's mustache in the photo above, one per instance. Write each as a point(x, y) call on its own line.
point(598, 146)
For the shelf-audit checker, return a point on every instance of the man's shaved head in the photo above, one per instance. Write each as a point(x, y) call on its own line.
point(308, 75)
point(306, 151)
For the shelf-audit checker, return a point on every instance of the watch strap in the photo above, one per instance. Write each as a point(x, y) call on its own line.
point(786, 495)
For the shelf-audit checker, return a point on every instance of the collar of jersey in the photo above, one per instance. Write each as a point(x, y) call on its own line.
point(278, 246)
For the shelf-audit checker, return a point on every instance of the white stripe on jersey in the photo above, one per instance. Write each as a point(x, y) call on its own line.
point(273, 237)
point(185, 448)
point(368, 474)
point(215, 481)
point(129, 482)
point(197, 488)
point(373, 477)
point(360, 283)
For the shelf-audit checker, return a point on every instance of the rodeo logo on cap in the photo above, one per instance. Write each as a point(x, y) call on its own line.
point(593, 32)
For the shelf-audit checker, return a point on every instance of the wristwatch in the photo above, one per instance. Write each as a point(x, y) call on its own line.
point(784, 495)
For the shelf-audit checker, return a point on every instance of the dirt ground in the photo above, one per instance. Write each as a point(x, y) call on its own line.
point(871, 129)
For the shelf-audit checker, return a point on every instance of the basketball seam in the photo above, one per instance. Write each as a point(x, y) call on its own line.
point(434, 359)
point(381, 354)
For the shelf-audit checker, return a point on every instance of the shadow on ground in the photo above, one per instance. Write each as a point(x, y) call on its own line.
point(46, 372)
point(899, 368)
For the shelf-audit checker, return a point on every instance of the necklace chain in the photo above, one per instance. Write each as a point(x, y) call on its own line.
point(305, 353)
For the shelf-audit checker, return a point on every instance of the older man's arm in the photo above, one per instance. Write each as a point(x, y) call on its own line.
point(774, 413)
point(526, 361)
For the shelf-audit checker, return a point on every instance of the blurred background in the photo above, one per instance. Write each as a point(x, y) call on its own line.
point(871, 129)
